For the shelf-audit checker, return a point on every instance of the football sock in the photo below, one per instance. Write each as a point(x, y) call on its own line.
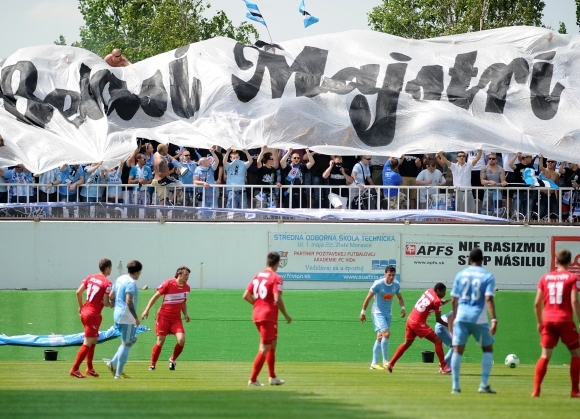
point(258, 364)
point(90, 356)
point(439, 352)
point(115, 359)
point(486, 363)
point(385, 349)
point(176, 351)
point(448, 356)
point(123, 358)
point(271, 362)
point(575, 373)
point(455, 370)
point(376, 352)
point(398, 353)
point(81, 354)
point(541, 369)
point(155, 354)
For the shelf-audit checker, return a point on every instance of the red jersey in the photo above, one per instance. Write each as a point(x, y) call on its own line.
point(174, 297)
point(264, 285)
point(427, 304)
point(97, 285)
point(557, 287)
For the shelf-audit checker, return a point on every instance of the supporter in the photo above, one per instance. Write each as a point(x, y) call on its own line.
point(376, 165)
point(394, 197)
point(264, 195)
point(148, 151)
point(476, 174)
point(571, 173)
point(3, 191)
point(409, 167)
point(492, 175)
point(93, 176)
point(549, 197)
point(114, 191)
point(219, 172)
point(319, 196)
point(205, 193)
point(72, 176)
point(524, 198)
point(338, 176)
point(461, 172)
point(21, 176)
point(361, 175)
point(47, 190)
point(140, 176)
point(165, 166)
point(570, 199)
point(116, 59)
point(431, 176)
point(293, 175)
point(186, 169)
point(252, 176)
point(236, 176)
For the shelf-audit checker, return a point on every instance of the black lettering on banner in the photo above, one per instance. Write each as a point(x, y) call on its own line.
point(366, 80)
point(184, 103)
point(544, 103)
point(430, 79)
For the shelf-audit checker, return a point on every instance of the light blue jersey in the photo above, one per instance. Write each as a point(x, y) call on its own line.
point(384, 294)
point(236, 174)
point(124, 285)
point(471, 286)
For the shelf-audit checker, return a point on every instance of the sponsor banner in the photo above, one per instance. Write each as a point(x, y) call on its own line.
point(513, 260)
point(572, 243)
point(335, 256)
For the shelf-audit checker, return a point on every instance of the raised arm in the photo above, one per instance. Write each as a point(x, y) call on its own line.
point(441, 155)
point(226, 157)
point(512, 163)
point(477, 157)
point(249, 156)
point(284, 158)
point(310, 159)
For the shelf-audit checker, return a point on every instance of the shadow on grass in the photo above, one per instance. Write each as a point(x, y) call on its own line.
point(248, 403)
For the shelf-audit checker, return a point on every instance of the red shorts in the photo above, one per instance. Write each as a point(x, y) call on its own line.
point(268, 331)
point(413, 330)
point(92, 324)
point(165, 326)
point(566, 331)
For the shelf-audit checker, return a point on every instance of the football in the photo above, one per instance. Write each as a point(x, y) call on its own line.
point(512, 361)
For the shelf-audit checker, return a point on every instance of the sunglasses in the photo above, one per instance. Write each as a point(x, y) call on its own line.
point(187, 155)
point(366, 159)
point(461, 156)
point(492, 158)
point(117, 56)
point(551, 161)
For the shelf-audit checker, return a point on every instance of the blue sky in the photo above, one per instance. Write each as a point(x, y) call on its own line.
point(40, 22)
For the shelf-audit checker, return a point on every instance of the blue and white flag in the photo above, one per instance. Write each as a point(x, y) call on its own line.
point(254, 13)
point(308, 19)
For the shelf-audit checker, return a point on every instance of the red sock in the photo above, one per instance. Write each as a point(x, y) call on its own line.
point(439, 352)
point(81, 355)
point(398, 353)
point(575, 373)
point(258, 364)
point(155, 354)
point(176, 351)
point(541, 368)
point(271, 361)
point(90, 355)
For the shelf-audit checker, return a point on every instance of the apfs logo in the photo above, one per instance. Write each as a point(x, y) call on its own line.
point(410, 249)
point(380, 265)
point(283, 259)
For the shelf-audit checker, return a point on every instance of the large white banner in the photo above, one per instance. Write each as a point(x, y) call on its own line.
point(513, 89)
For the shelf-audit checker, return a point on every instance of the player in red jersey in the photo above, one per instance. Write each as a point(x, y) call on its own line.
point(175, 292)
point(265, 294)
point(431, 301)
point(558, 293)
point(98, 288)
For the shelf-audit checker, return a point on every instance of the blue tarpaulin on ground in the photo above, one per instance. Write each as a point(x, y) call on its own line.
point(61, 340)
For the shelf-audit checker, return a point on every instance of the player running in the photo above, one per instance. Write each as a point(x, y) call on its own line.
point(98, 288)
point(265, 294)
point(558, 293)
point(473, 290)
point(431, 301)
point(175, 292)
point(383, 290)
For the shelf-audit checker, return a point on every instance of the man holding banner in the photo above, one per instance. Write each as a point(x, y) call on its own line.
point(461, 171)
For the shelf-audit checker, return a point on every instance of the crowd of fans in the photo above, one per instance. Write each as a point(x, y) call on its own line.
point(490, 183)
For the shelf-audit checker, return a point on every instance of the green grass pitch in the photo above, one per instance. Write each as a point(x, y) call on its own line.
point(323, 355)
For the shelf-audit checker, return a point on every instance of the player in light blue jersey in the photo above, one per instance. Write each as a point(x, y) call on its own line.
point(443, 333)
point(473, 291)
point(124, 298)
point(383, 290)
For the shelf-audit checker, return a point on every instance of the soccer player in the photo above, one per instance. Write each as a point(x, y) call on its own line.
point(98, 288)
point(383, 290)
point(124, 298)
point(265, 294)
point(175, 292)
point(430, 301)
point(445, 336)
point(473, 290)
point(558, 293)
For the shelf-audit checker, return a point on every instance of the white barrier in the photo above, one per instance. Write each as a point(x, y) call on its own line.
point(59, 254)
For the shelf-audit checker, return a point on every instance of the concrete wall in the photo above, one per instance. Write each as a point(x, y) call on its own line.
point(59, 254)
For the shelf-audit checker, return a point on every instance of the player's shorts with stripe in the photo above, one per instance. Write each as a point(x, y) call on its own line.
point(421, 330)
point(91, 324)
point(381, 322)
point(552, 331)
point(128, 332)
point(480, 332)
point(443, 334)
point(165, 326)
point(268, 331)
